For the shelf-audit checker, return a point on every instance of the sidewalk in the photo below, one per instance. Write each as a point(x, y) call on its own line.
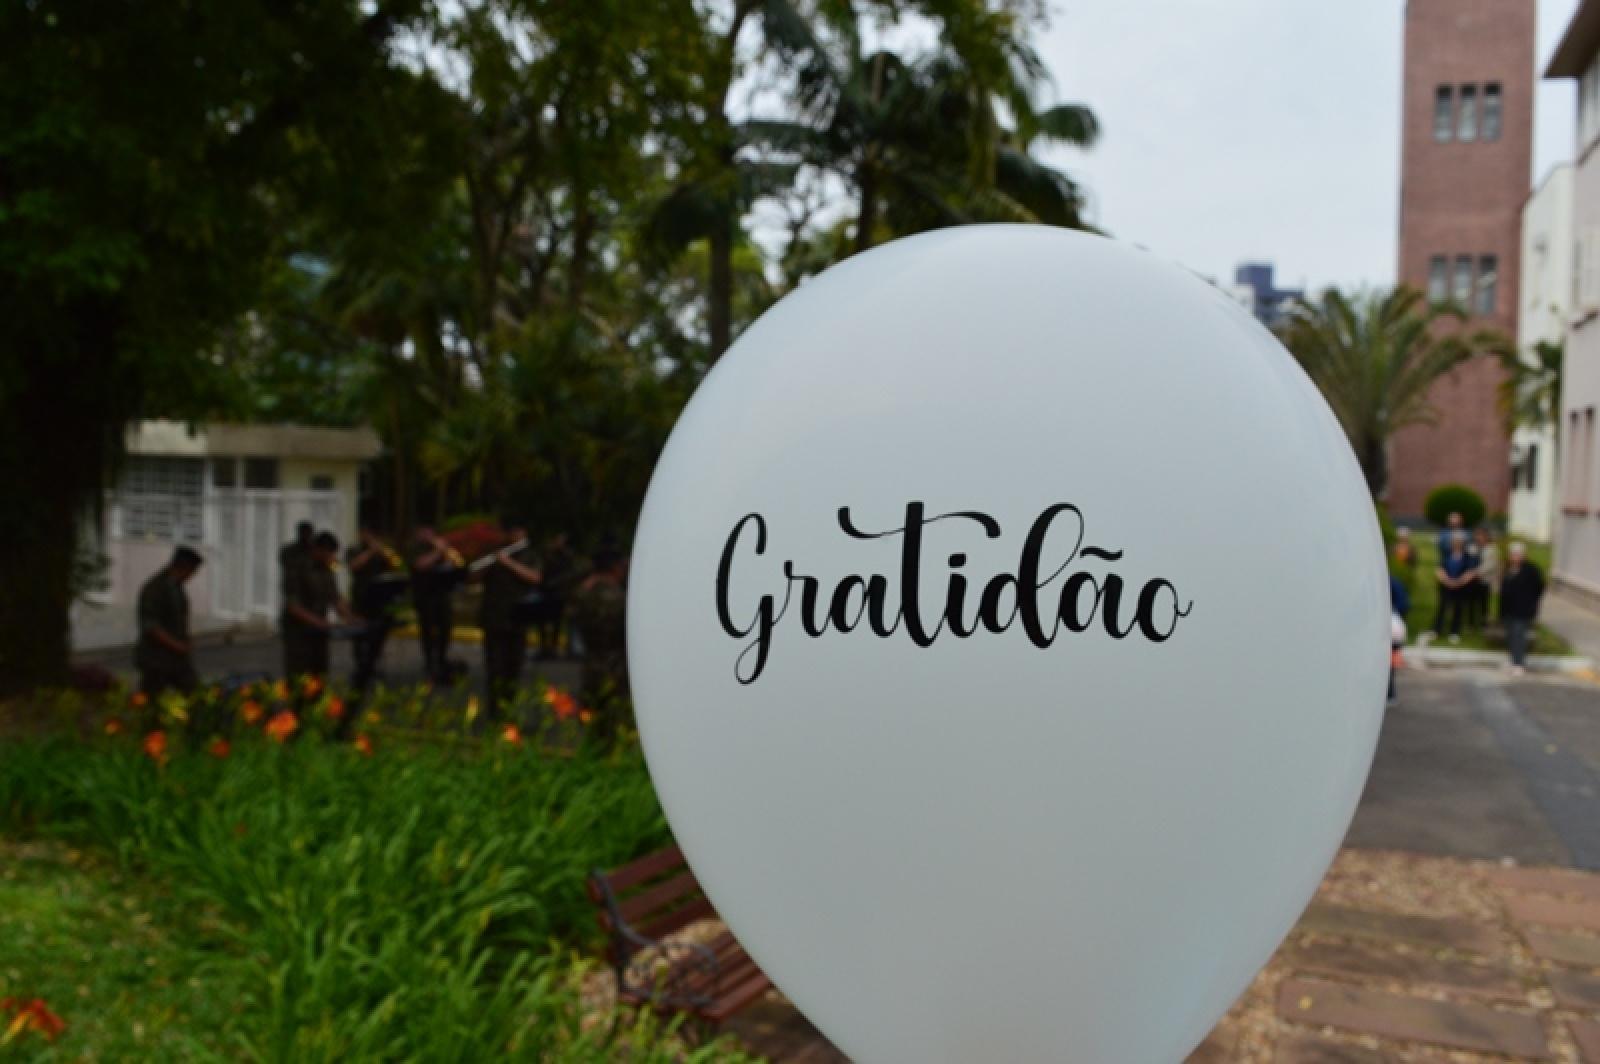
point(113, 627)
point(1398, 958)
point(1572, 621)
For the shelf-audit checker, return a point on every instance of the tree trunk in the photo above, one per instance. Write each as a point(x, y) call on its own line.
point(1375, 466)
point(49, 481)
point(867, 216)
point(720, 311)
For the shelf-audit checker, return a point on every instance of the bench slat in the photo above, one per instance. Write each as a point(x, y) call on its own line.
point(737, 998)
point(668, 894)
point(678, 919)
point(647, 867)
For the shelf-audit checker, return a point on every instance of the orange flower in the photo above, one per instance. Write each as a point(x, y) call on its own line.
point(155, 745)
point(562, 704)
point(219, 747)
point(586, 716)
point(113, 725)
point(250, 711)
point(280, 690)
point(282, 725)
point(32, 1015)
point(512, 734)
point(310, 686)
point(364, 745)
point(139, 700)
point(334, 707)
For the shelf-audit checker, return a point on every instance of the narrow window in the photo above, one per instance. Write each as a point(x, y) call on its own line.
point(1467, 116)
point(225, 472)
point(1530, 467)
point(1492, 111)
point(1461, 293)
point(1438, 279)
point(321, 482)
point(261, 474)
point(1488, 275)
point(1443, 114)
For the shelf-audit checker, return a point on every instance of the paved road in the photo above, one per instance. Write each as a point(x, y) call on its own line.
point(1473, 765)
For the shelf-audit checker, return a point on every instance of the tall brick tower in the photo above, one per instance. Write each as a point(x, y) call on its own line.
point(1466, 152)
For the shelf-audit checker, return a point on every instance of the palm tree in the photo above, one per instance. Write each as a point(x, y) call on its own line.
point(1375, 357)
point(920, 142)
point(1530, 394)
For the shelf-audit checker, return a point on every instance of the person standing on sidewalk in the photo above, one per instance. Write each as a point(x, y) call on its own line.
point(1487, 571)
point(1455, 579)
point(1520, 591)
point(164, 653)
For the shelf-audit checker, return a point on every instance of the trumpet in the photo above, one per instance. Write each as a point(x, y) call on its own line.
point(494, 556)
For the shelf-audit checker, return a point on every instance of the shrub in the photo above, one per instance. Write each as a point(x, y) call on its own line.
point(418, 903)
point(1450, 499)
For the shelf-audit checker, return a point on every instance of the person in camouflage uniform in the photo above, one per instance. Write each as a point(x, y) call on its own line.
point(374, 567)
point(599, 615)
point(293, 554)
point(310, 593)
point(164, 654)
point(506, 583)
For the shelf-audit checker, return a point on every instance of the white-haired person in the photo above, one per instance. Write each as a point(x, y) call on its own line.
point(1520, 590)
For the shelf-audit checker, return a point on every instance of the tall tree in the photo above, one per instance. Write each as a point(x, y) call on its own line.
point(1375, 357)
point(148, 156)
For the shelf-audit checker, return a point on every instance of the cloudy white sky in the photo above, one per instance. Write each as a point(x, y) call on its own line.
point(1257, 129)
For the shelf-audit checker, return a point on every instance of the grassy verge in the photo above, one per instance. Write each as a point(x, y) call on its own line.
point(420, 904)
point(1425, 600)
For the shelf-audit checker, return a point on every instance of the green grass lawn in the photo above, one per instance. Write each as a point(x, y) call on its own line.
point(135, 974)
point(1425, 598)
point(308, 902)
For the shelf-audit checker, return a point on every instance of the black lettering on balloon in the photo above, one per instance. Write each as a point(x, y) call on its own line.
point(1083, 596)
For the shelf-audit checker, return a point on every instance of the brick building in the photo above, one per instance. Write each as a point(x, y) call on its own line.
point(1466, 153)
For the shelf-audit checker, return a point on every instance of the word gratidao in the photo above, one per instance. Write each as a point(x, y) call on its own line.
point(1005, 599)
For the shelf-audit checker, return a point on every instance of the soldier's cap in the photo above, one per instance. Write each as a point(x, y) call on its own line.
point(188, 557)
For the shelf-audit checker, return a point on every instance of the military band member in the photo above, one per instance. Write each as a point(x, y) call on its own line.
point(367, 561)
point(599, 609)
point(164, 654)
point(436, 567)
point(293, 554)
point(506, 583)
point(311, 593)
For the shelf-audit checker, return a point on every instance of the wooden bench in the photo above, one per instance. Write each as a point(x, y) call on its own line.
point(643, 902)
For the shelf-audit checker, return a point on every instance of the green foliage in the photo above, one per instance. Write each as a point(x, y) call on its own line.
point(1375, 357)
point(1530, 392)
point(1386, 526)
point(416, 904)
point(1449, 499)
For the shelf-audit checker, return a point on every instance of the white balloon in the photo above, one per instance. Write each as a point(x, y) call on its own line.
point(984, 848)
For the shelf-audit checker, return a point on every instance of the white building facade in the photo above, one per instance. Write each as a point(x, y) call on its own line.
point(1546, 293)
point(234, 493)
point(1577, 526)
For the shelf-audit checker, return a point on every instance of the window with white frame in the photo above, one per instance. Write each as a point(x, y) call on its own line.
point(160, 498)
point(1444, 116)
point(1438, 279)
point(1493, 111)
point(1488, 278)
point(1467, 114)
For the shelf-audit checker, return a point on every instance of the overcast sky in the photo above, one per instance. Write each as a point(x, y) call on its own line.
point(1257, 129)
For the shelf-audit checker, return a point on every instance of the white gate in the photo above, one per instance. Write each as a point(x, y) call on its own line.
point(240, 532)
point(245, 530)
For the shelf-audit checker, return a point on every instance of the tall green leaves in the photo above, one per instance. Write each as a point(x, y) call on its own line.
point(1375, 358)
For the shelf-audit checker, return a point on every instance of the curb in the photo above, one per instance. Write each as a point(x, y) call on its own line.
point(1432, 657)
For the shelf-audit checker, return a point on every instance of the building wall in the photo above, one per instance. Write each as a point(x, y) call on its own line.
point(1577, 560)
point(1546, 295)
point(1463, 198)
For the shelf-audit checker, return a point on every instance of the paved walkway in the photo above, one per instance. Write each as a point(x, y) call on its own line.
point(1573, 621)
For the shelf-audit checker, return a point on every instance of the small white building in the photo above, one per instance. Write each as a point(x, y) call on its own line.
point(1546, 293)
point(233, 492)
